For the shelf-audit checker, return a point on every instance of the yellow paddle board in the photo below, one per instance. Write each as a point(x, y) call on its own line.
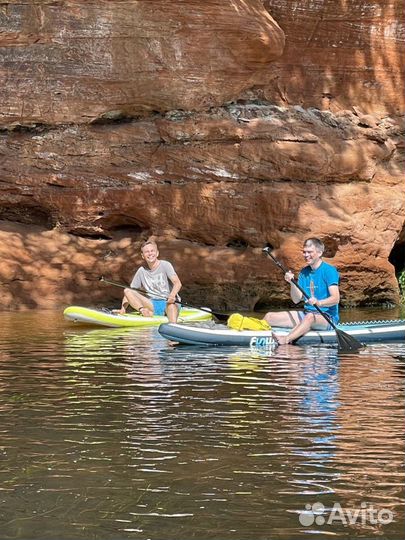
point(101, 317)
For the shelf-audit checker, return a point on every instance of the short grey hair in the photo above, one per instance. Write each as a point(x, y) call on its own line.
point(318, 244)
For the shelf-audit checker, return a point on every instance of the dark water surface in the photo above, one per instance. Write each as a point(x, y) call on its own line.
point(110, 434)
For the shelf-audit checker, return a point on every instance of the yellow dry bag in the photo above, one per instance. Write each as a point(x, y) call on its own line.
point(239, 322)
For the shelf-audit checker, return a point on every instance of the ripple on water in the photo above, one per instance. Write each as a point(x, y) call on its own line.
point(113, 433)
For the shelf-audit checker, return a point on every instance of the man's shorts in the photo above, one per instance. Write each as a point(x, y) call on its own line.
point(159, 306)
point(301, 315)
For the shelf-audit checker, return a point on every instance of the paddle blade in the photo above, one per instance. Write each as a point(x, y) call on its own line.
point(347, 343)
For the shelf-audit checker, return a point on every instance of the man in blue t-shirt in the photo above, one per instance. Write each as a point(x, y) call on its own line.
point(320, 281)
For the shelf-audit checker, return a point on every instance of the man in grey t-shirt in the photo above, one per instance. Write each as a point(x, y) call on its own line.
point(159, 280)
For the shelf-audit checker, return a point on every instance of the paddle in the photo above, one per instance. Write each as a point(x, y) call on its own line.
point(346, 343)
point(216, 314)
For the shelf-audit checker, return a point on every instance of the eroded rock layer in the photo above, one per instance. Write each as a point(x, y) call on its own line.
point(221, 183)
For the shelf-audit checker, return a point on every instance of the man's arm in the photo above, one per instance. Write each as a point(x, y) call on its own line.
point(333, 298)
point(171, 299)
point(295, 293)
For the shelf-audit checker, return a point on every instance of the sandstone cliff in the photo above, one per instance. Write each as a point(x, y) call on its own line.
point(217, 127)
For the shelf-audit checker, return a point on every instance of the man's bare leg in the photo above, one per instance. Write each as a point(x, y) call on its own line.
point(286, 319)
point(138, 302)
point(302, 328)
point(172, 311)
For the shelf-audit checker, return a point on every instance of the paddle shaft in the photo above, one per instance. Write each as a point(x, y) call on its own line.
point(219, 316)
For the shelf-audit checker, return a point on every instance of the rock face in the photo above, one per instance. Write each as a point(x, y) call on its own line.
point(122, 120)
point(340, 55)
point(76, 62)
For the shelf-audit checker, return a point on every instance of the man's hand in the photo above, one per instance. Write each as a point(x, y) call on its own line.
point(171, 299)
point(289, 276)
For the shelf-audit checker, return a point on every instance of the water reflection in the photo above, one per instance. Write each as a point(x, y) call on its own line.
point(115, 434)
point(371, 419)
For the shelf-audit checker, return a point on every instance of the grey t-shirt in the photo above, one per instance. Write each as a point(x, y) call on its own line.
point(154, 282)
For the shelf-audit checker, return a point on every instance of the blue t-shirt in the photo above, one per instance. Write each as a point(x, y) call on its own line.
point(316, 283)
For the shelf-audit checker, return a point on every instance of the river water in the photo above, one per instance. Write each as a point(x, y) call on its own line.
point(113, 434)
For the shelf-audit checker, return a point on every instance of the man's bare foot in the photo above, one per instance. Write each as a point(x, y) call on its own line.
point(118, 311)
point(281, 340)
point(145, 312)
